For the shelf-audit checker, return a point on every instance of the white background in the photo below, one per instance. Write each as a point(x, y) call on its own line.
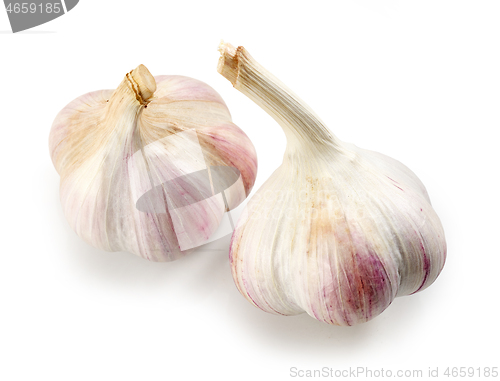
point(418, 81)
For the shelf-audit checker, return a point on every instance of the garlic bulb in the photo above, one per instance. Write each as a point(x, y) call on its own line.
point(150, 167)
point(336, 231)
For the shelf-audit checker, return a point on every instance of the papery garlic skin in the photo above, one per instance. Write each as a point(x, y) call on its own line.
point(336, 231)
point(109, 146)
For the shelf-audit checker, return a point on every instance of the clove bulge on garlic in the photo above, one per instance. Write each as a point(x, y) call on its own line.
point(150, 167)
point(336, 231)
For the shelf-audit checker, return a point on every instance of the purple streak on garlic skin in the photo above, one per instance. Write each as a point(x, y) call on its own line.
point(107, 145)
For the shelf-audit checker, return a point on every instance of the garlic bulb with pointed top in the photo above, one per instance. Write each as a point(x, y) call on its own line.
point(337, 231)
point(150, 167)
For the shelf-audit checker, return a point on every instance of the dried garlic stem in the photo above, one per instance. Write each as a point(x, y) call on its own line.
point(299, 122)
point(143, 83)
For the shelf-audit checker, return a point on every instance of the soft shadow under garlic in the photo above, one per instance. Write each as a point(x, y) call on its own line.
point(299, 335)
point(192, 276)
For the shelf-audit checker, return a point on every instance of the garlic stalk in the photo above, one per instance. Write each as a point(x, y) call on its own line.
point(337, 231)
point(152, 166)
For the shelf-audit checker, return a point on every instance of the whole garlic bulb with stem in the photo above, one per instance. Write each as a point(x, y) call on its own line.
point(337, 231)
point(152, 166)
